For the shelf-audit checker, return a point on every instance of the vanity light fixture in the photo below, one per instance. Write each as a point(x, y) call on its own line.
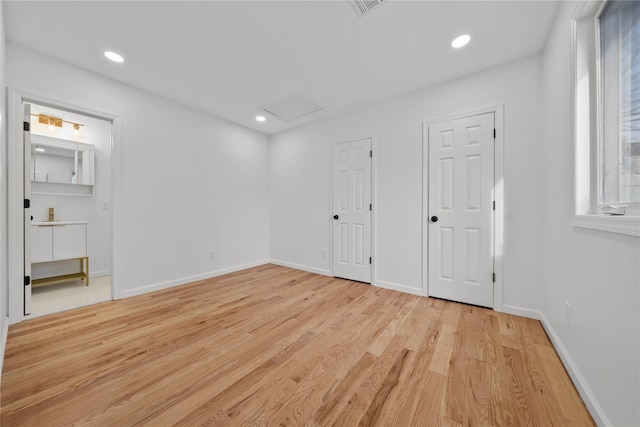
point(261, 118)
point(460, 41)
point(55, 122)
point(115, 57)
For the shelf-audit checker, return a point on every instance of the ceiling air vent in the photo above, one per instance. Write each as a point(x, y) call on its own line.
point(363, 7)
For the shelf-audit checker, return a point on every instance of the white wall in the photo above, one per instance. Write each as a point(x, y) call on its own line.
point(301, 187)
point(72, 207)
point(597, 272)
point(189, 182)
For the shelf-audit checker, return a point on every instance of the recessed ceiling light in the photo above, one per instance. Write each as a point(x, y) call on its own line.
point(114, 56)
point(460, 41)
point(261, 118)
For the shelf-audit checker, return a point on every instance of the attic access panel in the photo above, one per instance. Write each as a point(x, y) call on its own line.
point(292, 108)
point(362, 7)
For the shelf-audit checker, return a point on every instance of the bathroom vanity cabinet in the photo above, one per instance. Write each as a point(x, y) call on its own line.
point(60, 241)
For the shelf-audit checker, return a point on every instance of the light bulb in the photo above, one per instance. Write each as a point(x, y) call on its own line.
point(460, 41)
point(76, 129)
point(115, 57)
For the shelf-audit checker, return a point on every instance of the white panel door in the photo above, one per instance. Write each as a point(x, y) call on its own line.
point(351, 251)
point(26, 148)
point(460, 214)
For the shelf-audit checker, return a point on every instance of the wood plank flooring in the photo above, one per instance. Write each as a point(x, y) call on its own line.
point(275, 346)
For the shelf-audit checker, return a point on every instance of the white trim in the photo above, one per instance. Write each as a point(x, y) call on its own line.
point(15, 214)
point(101, 273)
point(3, 341)
point(15, 192)
point(522, 312)
point(629, 225)
point(498, 214)
point(315, 270)
point(498, 196)
point(184, 280)
point(570, 365)
point(425, 209)
point(374, 186)
point(399, 288)
point(116, 211)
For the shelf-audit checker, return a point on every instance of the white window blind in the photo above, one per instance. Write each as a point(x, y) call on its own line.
point(619, 142)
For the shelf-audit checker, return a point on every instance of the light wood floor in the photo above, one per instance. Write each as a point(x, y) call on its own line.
point(275, 346)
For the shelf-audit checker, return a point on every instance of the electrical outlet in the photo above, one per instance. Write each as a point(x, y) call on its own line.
point(105, 205)
point(212, 255)
point(567, 313)
point(325, 253)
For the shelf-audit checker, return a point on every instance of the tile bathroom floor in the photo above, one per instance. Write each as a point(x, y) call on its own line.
point(65, 296)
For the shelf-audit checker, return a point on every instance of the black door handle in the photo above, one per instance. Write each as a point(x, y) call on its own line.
point(336, 217)
point(434, 219)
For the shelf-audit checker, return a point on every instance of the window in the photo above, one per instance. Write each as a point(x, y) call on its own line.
point(606, 84)
point(619, 82)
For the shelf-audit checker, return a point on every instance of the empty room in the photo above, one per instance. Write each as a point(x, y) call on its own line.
point(315, 213)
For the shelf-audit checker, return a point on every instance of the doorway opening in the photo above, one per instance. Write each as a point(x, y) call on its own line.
point(68, 231)
point(71, 244)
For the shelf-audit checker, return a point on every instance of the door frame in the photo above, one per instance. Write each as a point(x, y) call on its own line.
point(498, 195)
point(330, 212)
point(15, 191)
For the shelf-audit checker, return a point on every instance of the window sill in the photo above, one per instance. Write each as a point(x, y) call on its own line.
point(623, 224)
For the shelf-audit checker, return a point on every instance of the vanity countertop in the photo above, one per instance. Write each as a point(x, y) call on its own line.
point(41, 223)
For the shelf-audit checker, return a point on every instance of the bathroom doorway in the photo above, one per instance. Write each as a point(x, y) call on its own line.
point(68, 237)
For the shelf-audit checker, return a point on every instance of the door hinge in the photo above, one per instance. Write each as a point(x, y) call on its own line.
point(494, 134)
point(494, 205)
point(370, 153)
point(26, 126)
point(370, 206)
point(27, 280)
point(494, 277)
point(27, 203)
point(369, 260)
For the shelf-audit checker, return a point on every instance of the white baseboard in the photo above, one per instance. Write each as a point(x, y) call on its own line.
point(4, 326)
point(171, 283)
point(397, 287)
point(301, 267)
point(101, 273)
point(522, 312)
point(570, 365)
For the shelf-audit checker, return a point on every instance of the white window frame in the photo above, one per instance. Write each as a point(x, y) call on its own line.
point(585, 86)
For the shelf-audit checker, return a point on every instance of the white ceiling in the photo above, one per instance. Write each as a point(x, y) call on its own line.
point(231, 58)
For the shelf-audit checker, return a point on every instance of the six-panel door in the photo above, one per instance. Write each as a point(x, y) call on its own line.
point(351, 249)
point(460, 228)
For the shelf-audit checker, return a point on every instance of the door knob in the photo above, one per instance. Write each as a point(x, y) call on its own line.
point(434, 219)
point(336, 217)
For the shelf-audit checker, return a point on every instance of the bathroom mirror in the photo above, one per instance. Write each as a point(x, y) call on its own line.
point(61, 161)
